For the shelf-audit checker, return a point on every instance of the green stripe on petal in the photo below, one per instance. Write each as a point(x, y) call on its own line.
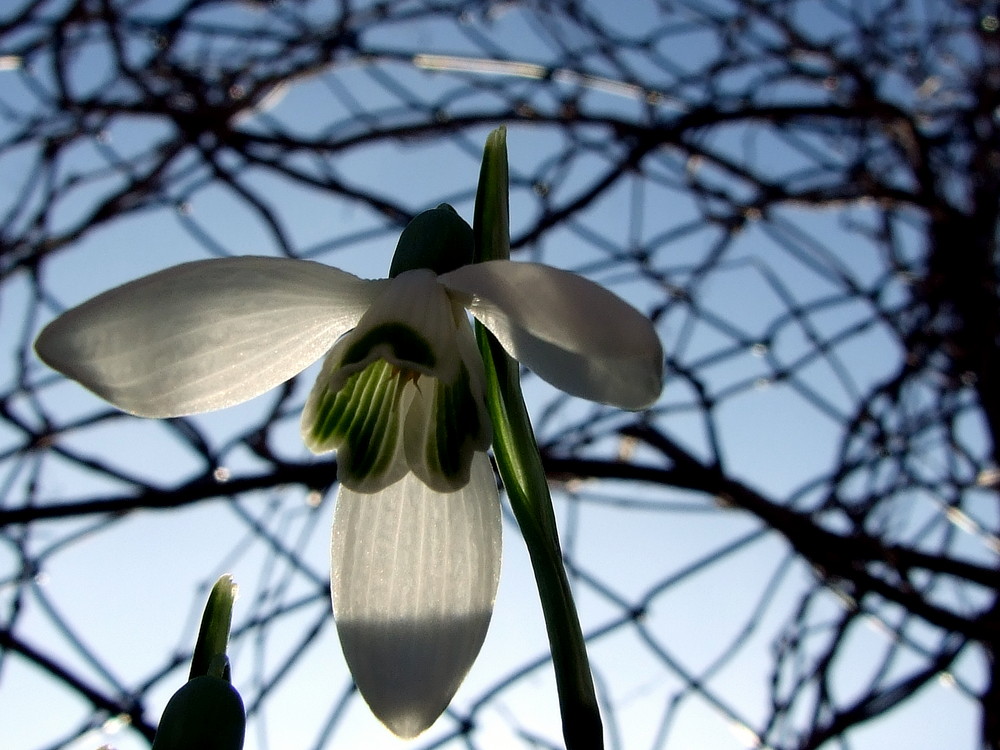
point(372, 442)
point(411, 325)
point(405, 343)
point(362, 422)
point(455, 426)
point(447, 423)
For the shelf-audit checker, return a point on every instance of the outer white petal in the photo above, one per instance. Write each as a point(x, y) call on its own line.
point(415, 574)
point(205, 335)
point(573, 333)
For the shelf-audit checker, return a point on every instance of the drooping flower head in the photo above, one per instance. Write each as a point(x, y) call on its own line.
point(404, 391)
point(400, 397)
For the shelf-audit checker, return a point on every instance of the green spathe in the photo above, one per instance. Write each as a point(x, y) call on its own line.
point(209, 657)
point(438, 239)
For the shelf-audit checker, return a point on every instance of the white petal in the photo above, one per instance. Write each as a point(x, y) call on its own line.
point(205, 335)
point(414, 577)
point(573, 333)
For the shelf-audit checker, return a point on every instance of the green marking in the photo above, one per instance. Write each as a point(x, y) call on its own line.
point(374, 422)
point(456, 425)
point(407, 345)
point(362, 420)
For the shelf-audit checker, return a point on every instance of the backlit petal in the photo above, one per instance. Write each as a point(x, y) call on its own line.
point(573, 333)
point(414, 578)
point(205, 335)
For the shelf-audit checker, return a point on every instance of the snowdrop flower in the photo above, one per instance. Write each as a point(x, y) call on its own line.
point(400, 397)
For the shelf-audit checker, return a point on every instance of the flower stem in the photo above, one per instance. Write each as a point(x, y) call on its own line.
point(524, 476)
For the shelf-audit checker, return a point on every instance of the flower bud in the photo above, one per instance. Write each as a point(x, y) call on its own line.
point(205, 714)
point(438, 239)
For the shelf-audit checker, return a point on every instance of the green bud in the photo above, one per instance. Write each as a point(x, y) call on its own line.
point(205, 714)
point(213, 636)
point(438, 239)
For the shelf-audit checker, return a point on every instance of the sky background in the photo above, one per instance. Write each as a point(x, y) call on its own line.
point(722, 593)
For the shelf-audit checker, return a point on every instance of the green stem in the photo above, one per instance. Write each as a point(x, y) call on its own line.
point(524, 476)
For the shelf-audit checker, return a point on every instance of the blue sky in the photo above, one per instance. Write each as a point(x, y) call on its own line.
point(131, 591)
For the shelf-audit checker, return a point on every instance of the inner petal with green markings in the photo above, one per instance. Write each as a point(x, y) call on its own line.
point(403, 391)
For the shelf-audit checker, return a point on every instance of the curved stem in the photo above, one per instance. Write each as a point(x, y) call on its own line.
point(524, 476)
